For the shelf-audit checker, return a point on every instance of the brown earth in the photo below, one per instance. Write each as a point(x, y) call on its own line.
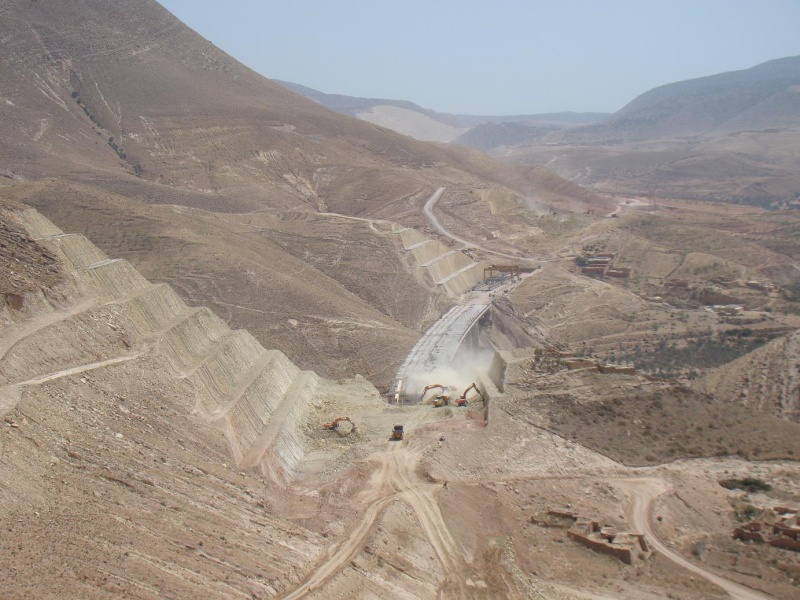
point(148, 450)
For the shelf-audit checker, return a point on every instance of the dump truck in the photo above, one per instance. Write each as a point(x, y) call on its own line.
point(397, 432)
point(441, 400)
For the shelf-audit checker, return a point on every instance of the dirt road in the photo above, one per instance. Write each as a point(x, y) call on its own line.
point(643, 492)
point(394, 479)
point(16, 333)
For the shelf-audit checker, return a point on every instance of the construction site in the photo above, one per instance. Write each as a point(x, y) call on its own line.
point(407, 461)
point(254, 348)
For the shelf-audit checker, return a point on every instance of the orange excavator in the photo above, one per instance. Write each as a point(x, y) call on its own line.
point(440, 399)
point(333, 426)
point(462, 400)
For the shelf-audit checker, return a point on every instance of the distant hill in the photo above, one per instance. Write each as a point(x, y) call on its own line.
point(488, 136)
point(730, 137)
point(766, 96)
point(428, 125)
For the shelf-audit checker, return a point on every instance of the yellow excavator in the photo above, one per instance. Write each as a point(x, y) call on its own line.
point(334, 425)
point(440, 399)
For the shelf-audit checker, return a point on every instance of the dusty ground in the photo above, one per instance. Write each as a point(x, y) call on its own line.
point(149, 450)
point(117, 429)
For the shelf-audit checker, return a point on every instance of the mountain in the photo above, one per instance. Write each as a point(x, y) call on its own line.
point(137, 120)
point(424, 124)
point(729, 137)
point(130, 406)
point(766, 96)
point(220, 269)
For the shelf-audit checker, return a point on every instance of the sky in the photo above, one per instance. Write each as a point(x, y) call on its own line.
point(500, 57)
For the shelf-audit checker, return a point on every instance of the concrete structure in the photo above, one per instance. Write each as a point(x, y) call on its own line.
point(258, 397)
point(451, 269)
point(439, 348)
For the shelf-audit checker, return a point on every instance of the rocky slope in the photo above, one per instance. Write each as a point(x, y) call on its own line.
point(762, 97)
point(122, 409)
point(767, 379)
point(136, 112)
point(727, 137)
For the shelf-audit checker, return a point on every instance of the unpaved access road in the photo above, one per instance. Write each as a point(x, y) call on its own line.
point(394, 479)
point(643, 492)
point(428, 211)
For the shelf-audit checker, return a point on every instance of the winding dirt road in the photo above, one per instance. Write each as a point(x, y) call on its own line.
point(643, 492)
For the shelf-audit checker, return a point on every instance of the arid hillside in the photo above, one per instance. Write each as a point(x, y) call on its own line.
point(122, 410)
point(128, 91)
point(762, 97)
point(203, 310)
point(147, 450)
point(131, 111)
point(729, 137)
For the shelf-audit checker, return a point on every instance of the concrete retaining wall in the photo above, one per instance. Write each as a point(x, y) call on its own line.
point(259, 397)
point(217, 377)
point(188, 341)
point(253, 410)
point(451, 269)
point(38, 225)
point(497, 371)
point(113, 280)
point(155, 309)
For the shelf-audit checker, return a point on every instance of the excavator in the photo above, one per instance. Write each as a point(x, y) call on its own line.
point(333, 426)
point(462, 400)
point(440, 399)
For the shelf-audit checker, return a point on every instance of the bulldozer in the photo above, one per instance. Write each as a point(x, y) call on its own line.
point(462, 400)
point(334, 425)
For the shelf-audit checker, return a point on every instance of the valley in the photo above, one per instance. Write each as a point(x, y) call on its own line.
point(225, 310)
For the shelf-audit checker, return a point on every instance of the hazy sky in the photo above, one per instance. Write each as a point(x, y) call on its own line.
point(498, 57)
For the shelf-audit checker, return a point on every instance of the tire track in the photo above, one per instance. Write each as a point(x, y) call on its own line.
point(643, 493)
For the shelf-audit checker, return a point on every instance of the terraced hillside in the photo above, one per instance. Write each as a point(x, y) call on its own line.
point(119, 395)
point(449, 268)
point(170, 154)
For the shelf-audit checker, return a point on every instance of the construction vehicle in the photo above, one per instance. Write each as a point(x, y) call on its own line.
point(462, 400)
point(397, 432)
point(333, 426)
point(440, 399)
point(430, 387)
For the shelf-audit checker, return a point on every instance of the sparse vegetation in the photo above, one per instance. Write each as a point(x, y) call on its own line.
point(671, 423)
point(751, 485)
point(669, 358)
